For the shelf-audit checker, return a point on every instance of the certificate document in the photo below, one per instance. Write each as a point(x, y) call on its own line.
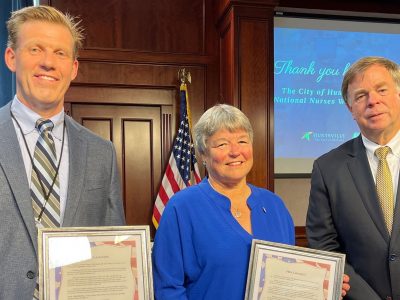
point(95, 264)
point(283, 272)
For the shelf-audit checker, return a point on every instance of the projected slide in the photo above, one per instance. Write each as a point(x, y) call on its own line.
point(310, 116)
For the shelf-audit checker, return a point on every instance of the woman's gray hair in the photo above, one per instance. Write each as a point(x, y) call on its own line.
point(220, 116)
point(363, 64)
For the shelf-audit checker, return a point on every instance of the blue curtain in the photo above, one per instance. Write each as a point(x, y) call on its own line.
point(7, 80)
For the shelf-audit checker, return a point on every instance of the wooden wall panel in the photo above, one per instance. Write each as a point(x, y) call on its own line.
point(144, 81)
point(170, 26)
point(167, 134)
point(142, 160)
point(227, 46)
point(121, 94)
point(101, 126)
point(254, 97)
point(301, 237)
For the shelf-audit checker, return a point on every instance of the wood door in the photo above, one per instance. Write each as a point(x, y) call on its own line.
point(135, 131)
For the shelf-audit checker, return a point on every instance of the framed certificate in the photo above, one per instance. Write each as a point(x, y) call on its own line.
point(108, 263)
point(278, 271)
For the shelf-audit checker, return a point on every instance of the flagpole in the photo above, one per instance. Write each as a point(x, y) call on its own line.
point(185, 77)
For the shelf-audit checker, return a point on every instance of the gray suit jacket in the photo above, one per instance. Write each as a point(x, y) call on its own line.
point(94, 199)
point(344, 215)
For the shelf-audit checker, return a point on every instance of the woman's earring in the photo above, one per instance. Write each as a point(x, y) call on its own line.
point(204, 163)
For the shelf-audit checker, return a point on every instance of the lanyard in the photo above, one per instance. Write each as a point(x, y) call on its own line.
point(35, 169)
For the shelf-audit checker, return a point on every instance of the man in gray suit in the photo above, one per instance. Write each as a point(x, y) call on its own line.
point(349, 212)
point(42, 51)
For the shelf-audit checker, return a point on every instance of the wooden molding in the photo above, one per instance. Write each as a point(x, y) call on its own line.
point(301, 237)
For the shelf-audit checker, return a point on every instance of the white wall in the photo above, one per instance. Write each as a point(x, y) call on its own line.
point(294, 192)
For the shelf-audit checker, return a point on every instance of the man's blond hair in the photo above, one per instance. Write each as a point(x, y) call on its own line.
point(48, 14)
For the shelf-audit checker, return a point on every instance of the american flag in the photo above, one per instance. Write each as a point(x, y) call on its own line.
point(182, 168)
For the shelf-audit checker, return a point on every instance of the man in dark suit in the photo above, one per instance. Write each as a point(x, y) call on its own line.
point(82, 186)
point(350, 211)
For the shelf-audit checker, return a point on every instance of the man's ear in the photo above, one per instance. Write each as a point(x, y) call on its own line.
point(9, 58)
point(75, 66)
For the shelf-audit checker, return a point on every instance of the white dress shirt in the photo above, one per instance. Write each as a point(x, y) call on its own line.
point(393, 158)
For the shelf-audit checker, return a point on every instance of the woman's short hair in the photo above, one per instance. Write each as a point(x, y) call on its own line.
point(364, 63)
point(220, 116)
point(45, 14)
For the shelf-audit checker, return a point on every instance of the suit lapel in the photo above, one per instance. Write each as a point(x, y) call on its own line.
point(12, 163)
point(77, 168)
point(361, 173)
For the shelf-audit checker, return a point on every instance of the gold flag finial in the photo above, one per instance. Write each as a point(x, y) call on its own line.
point(184, 76)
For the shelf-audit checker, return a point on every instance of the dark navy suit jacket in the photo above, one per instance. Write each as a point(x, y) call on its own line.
point(344, 215)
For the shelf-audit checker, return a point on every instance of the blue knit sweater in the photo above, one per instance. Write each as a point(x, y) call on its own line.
point(201, 252)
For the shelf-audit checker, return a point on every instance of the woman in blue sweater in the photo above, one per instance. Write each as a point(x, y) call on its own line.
point(202, 245)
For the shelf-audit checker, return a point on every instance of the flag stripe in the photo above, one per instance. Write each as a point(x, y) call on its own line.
point(174, 179)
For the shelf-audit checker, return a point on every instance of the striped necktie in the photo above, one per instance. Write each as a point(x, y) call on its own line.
point(384, 186)
point(45, 187)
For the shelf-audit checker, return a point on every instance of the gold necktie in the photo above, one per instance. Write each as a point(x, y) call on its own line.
point(384, 186)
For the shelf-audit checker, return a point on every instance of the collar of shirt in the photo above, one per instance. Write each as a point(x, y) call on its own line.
point(27, 119)
point(394, 145)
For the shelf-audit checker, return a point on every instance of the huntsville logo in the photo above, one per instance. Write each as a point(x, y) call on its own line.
point(326, 136)
point(307, 135)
